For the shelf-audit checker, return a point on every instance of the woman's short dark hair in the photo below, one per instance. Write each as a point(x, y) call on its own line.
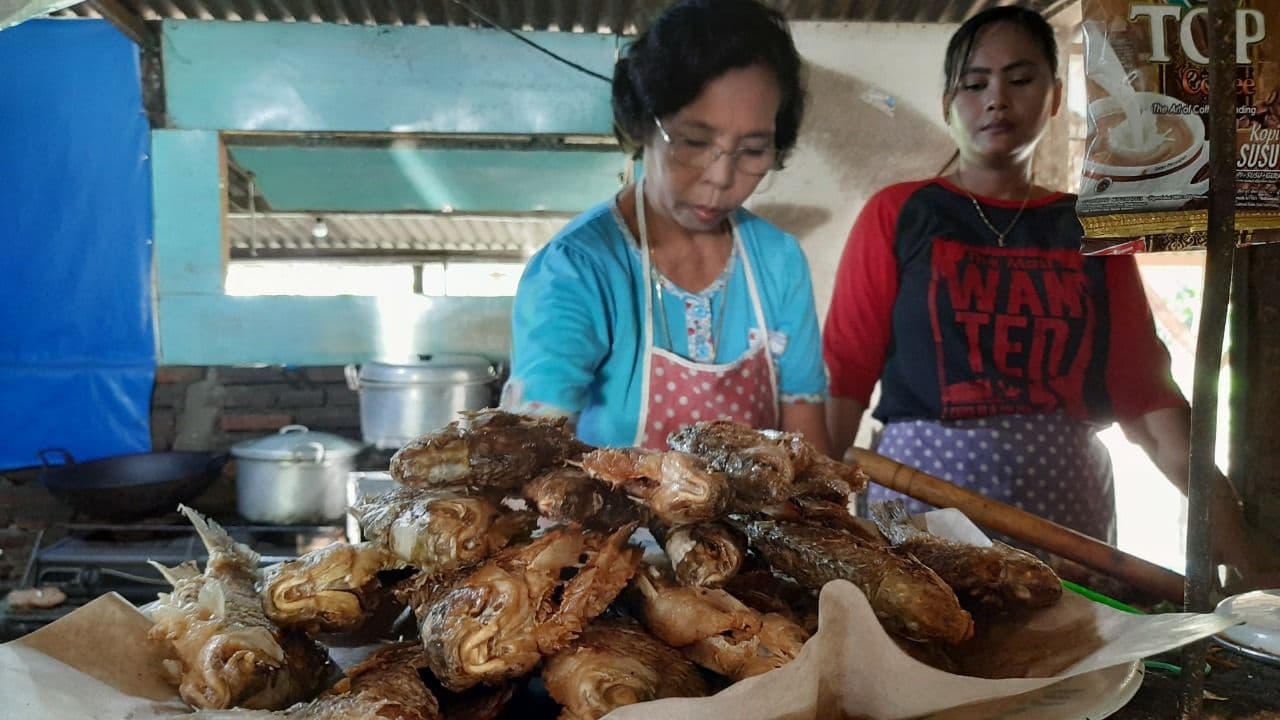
point(961, 46)
point(692, 43)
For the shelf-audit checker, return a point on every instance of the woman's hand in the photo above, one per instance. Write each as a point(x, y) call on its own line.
point(1165, 436)
point(844, 415)
point(1249, 564)
point(808, 419)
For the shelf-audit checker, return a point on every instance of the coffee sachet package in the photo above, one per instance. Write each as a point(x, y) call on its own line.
point(1145, 180)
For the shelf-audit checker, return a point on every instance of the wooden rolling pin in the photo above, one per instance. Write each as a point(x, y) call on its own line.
point(1024, 526)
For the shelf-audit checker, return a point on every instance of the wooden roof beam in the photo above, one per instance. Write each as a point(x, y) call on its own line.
point(127, 21)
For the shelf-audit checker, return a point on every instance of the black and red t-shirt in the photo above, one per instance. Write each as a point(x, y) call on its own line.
point(957, 327)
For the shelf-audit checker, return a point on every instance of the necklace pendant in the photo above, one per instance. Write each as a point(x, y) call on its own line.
point(1000, 236)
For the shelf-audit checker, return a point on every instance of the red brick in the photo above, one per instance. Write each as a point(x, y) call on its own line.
point(301, 398)
point(179, 374)
point(326, 374)
point(233, 422)
point(168, 396)
point(249, 374)
point(162, 438)
point(16, 540)
point(341, 396)
point(252, 396)
point(328, 418)
point(27, 499)
point(38, 515)
point(231, 438)
point(34, 525)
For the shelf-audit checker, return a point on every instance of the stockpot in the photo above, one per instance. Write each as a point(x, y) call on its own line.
point(294, 477)
point(400, 400)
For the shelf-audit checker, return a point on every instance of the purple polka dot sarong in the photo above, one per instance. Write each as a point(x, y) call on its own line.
point(1050, 465)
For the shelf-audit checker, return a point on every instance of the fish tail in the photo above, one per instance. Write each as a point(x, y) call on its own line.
point(174, 575)
point(218, 542)
point(893, 521)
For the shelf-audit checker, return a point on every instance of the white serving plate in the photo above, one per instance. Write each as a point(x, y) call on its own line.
point(1259, 635)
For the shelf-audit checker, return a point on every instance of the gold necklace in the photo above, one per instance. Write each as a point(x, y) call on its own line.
point(1000, 236)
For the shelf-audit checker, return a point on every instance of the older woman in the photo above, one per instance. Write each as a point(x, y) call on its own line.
point(669, 303)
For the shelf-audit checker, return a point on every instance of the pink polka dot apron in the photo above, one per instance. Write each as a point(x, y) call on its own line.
point(1051, 465)
point(678, 391)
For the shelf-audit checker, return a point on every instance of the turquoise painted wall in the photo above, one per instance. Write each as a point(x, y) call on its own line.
point(315, 76)
point(187, 194)
point(287, 330)
point(252, 77)
point(364, 179)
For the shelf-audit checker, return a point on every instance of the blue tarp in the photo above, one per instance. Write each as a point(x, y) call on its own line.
point(77, 349)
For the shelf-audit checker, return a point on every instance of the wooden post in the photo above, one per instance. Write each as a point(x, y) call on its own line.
point(1213, 319)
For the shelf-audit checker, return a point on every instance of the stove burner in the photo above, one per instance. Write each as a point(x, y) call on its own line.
point(93, 559)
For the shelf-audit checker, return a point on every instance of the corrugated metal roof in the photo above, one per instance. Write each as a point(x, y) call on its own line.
point(388, 235)
point(606, 16)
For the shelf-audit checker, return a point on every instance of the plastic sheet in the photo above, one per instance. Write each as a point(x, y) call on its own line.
point(77, 358)
point(13, 12)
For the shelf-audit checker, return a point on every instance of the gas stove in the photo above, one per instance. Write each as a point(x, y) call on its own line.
point(88, 560)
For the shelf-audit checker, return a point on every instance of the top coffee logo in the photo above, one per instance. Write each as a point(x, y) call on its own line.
point(1251, 28)
point(1145, 172)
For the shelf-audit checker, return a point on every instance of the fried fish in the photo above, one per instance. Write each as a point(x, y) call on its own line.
point(761, 470)
point(777, 643)
point(486, 450)
point(713, 628)
point(439, 530)
point(909, 598)
point(332, 589)
point(676, 487)
point(767, 466)
point(568, 495)
point(220, 648)
point(988, 579)
point(386, 686)
point(705, 555)
point(765, 592)
point(496, 621)
point(615, 663)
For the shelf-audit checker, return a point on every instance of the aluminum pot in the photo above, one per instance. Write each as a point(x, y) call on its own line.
point(295, 477)
point(400, 400)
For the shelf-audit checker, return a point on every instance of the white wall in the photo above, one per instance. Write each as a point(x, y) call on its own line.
point(851, 144)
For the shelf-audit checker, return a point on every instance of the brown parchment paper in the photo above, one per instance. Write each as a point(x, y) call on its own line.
point(850, 668)
point(96, 663)
point(92, 663)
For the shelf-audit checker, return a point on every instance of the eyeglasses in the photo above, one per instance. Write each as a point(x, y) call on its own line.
point(702, 154)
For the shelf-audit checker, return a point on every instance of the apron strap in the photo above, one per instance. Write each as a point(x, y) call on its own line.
point(758, 307)
point(646, 272)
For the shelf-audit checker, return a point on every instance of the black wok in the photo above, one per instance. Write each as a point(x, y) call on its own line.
point(128, 487)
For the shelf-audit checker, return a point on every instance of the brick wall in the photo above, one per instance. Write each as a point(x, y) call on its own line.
point(192, 408)
point(26, 508)
point(212, 408)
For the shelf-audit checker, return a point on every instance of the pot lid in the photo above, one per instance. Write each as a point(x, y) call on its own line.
point(429, 369)
point(296, 442)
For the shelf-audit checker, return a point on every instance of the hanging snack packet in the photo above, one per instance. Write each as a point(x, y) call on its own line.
point(1146, 171)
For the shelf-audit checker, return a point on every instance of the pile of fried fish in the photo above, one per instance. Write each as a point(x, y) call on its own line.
point(511, 542)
